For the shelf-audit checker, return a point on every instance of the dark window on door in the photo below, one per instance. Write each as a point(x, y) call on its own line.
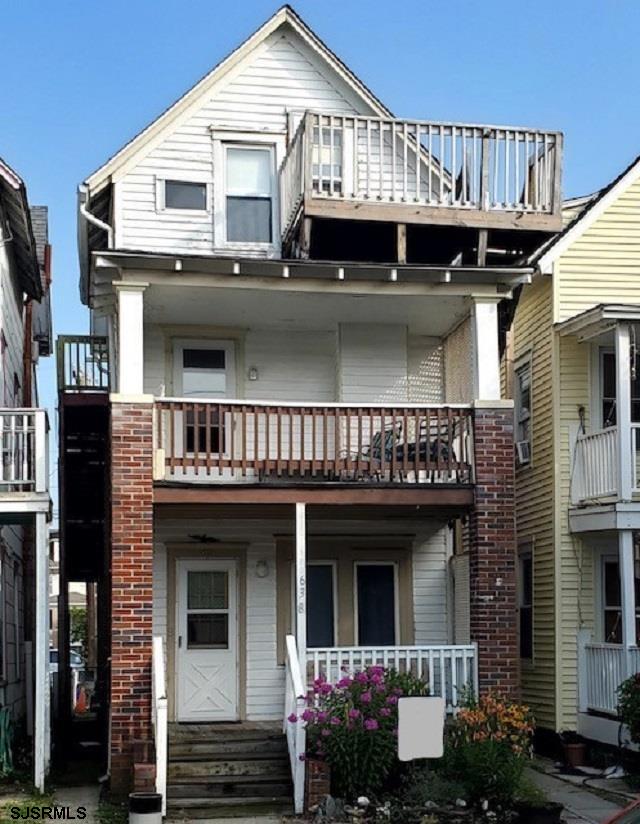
point(204, 374)
point(376, 604)
point(207, 609)
point(608, 391)
point(320, 605)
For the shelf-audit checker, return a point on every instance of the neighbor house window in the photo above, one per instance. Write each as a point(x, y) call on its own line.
point(525, 603)
point(249, 194)
point(184, 194)
point(522, 388)
point(608, 390)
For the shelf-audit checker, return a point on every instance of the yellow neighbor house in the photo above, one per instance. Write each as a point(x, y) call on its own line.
point(573, 369)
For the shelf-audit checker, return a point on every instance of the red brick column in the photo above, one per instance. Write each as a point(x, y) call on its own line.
point(492, 559)
point(131, 584)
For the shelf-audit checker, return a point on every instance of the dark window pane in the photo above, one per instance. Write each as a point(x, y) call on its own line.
point(179, 194)
point(320, 606)
point(611, 584)
point(207, 589)
point(526, 598)
point(203, 358)
point(526, 632)
point(608, 375)
point(208, 631)
point(376, 605)
point(612, 627)
point(249, 219)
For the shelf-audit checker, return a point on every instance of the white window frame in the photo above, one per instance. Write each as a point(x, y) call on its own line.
point(396, 597)
point(222, 140)
point(183, 177)
point(525, 553)
point(523, 362)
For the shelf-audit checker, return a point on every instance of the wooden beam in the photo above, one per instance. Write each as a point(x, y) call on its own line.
point(305, 238)
point(336, 495)
point(483, 239)
point(401, 236)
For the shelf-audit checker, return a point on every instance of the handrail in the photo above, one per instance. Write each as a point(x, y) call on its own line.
point(83, 363)
point(24, 453)
point(311, 405)
point(159, 717)
point(295, 731)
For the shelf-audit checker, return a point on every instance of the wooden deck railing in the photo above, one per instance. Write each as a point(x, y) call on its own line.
point(602, 668)
point(446, 165)
point(83, 364)
point(595, 465)
point(243, 440)
point(24, 442)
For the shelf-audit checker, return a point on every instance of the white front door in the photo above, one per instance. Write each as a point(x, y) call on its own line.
point(207, 641)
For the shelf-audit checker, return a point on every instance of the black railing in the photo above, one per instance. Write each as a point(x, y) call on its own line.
point(83, 364)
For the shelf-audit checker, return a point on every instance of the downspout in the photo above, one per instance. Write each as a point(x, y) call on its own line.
point(83, 242)
point(27, 353)
point(91, 218)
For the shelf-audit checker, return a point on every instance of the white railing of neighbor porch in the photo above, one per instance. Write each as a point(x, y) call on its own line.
point(294, 704)
point(159, 711)
point(595, 465)
point(602, 668)
point(24, 447)
point(448, 670)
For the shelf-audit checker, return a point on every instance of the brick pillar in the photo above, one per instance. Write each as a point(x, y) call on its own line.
point(131, 585)
point(492, 546)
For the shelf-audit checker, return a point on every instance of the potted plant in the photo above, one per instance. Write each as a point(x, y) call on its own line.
point(532, 806)
point(575, 749)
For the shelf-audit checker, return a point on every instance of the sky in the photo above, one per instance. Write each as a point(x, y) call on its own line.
point(80, 78)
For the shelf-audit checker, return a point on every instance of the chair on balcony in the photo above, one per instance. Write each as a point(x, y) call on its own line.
point(377, 456)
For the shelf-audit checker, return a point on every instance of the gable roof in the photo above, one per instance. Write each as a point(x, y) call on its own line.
point(551, 251)
point(13, 195)
point(162, 124)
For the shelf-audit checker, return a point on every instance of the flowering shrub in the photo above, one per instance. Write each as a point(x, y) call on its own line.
point(488, 745)
point(353, 725)
point(629, 705)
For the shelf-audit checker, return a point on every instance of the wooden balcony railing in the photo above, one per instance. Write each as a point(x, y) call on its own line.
point(429, 165)
point(264, 442)
point(24, 443)
point(83, 364)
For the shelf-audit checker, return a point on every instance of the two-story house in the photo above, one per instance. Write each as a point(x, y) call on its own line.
point(293, 393)
point(25, 336)
point(574, 376)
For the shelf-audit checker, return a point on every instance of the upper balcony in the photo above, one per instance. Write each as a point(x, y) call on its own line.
point(419, 173)
point(24, 468)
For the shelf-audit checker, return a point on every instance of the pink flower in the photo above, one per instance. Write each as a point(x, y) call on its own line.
point(385, 712)
point(345, 682)
point(354, 714)
point(326, 733)
point(397, 691)
point(325, 689)
point(376, 678)
point(381, 688)
point(371, 724)
point(366, 697)
point(321, 717)
point(392, 699)
point(361, 678)
point(308, 716)
point(292, 718)
point(335, 721)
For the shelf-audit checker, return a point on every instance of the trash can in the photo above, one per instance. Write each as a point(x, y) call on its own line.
point(145, 808)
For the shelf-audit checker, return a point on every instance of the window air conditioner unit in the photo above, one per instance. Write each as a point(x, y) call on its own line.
point(523, 451)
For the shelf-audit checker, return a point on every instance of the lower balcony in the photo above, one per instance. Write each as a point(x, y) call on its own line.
point(275, 444)
point(24, 474)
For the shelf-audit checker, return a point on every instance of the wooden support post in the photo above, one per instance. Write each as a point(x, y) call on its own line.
point(623, 411)
point(627, 588)
point(305, 238)
point(301, 584)
point(42, 714)
point(401, 238)
point(483, 239)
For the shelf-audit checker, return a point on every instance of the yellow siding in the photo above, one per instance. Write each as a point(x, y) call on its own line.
point(603, 264)
point(534, 494)
point(574, 566)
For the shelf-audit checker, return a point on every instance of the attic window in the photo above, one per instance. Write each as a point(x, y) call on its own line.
point(182, 194)
point(249, 194)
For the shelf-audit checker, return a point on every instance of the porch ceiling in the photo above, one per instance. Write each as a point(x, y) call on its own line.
point(432, 315)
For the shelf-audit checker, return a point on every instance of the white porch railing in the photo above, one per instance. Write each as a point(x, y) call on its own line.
point(602, 668)
point(24, 447)
point(159, 713)
point(294, 704)
point(448, 670)
point(595, 466)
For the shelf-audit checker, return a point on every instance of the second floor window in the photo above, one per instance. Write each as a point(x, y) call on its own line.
point(249, 194)
point(182, 194)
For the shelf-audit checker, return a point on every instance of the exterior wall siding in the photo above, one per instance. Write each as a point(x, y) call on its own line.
point(533, 336)
point(458, 364)
point(372, 363)
point(265, 676)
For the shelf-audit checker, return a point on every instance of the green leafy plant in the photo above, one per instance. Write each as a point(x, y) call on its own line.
point(353, 725)
point(487, 748)
point(629, 705)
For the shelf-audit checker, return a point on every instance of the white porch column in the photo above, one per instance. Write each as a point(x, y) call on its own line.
point(130, 338)
point(301, 585)
point(627, 587)
point(42, 721)
point(623, 412)
point(486, 358)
